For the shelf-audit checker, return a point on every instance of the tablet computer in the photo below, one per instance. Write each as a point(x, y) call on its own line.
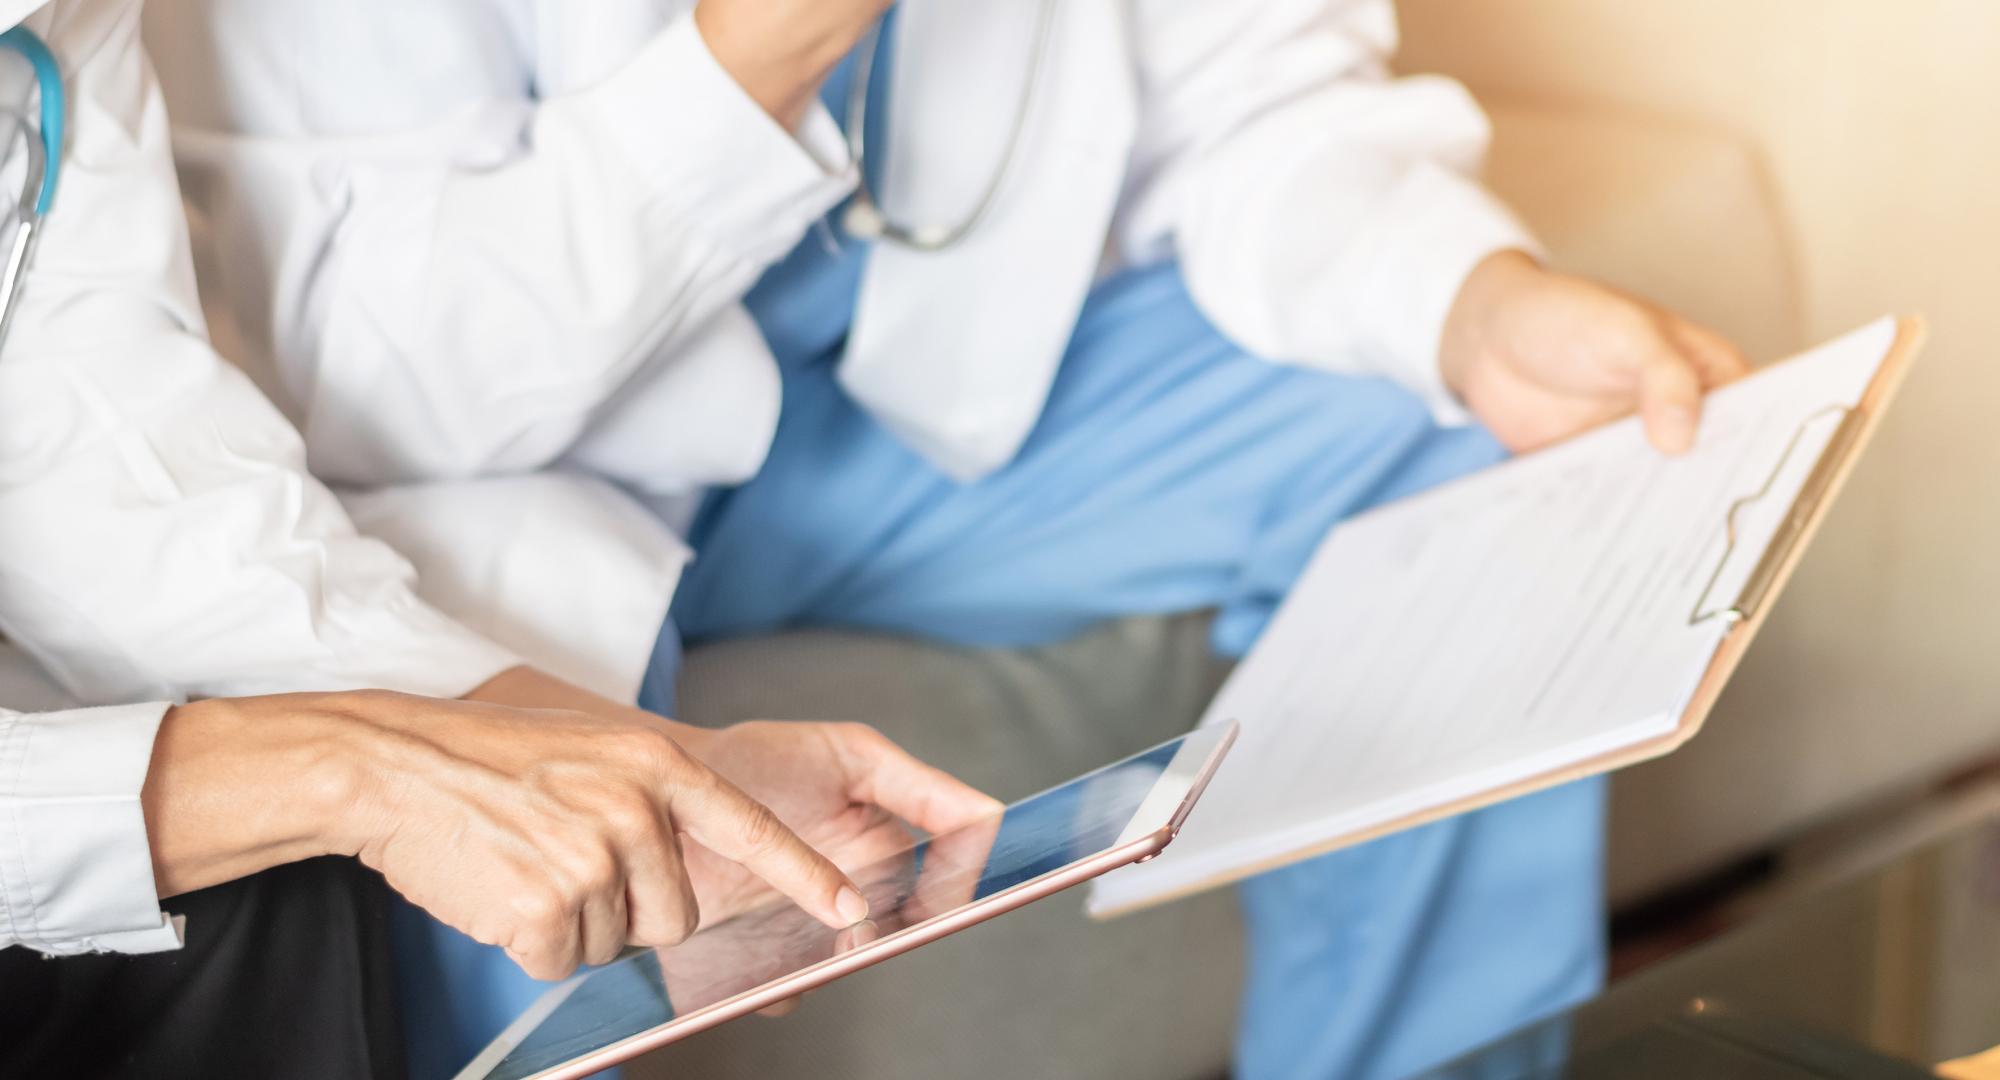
point(1121, 814)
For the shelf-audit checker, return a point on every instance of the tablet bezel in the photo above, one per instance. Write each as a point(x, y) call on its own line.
point(1190, 769)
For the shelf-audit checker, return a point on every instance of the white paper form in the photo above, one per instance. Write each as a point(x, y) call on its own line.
point(1529, 618)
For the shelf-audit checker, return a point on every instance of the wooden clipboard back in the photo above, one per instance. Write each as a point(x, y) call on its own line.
point(1747, 613)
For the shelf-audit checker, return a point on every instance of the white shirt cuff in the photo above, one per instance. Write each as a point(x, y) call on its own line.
point(713, 154)
point(76, 868)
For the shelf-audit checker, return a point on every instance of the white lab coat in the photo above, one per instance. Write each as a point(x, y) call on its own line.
point(485, 237)
point(159, 537)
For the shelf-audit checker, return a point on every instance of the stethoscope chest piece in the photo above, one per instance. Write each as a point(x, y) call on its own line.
point(864, 218)
point(861, 220)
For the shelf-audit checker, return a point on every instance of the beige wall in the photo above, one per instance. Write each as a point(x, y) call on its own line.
point(1878, 122)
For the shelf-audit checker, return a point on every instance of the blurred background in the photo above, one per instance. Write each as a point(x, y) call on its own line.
point(1787, 170)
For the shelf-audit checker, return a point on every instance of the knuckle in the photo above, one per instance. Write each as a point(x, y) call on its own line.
point(762, 831)
point(598, 868)
point(631, 815)
point(538, 907)
point(652, 748)
point(860, 734)
point(585, 866)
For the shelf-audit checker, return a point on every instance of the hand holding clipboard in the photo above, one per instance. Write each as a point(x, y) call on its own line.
point(1566, 613)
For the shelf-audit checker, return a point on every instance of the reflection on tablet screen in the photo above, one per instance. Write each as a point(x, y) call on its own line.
point(1038, 836)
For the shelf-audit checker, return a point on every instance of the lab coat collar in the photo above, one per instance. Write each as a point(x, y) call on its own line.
point(15, 12)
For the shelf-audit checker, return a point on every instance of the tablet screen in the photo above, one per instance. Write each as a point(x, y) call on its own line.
point(1098, 813)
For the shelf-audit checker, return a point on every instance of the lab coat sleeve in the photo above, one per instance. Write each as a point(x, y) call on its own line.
point(159, 536)
point(76, 872)
point(469, 318)
point(1324, 212)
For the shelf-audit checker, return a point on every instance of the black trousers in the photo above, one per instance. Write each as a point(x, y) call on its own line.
point(285, 974)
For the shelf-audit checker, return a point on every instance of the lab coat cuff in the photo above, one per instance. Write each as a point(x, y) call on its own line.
point(1438, 227)
point(76, 868)
point(714, 156)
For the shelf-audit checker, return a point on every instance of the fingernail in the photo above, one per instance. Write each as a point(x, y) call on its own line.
point(851, 905)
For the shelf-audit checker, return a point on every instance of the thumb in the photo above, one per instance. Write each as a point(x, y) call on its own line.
point(731, 824)
point(1670, 399)
point(885, 775)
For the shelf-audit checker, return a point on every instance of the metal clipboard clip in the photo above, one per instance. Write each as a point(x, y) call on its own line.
point(1791, 531)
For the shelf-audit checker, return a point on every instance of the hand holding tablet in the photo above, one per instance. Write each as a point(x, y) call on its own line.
point(1110, 818)
point(846, 786)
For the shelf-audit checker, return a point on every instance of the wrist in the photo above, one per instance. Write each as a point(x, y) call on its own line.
point(1471, 326)
point(348, 759)
point(239, 786)
point(779, 58)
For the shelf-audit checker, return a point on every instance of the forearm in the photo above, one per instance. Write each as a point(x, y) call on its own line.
point(240, 786)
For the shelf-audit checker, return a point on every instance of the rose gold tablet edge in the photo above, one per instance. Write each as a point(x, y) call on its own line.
point(888, 948)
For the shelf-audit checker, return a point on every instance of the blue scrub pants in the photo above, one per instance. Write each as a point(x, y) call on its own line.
point(1172, 472)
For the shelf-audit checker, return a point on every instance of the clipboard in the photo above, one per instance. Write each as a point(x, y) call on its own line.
point(1743, 614)
point(1752, 606)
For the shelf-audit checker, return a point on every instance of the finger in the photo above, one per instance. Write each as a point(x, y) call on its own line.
point(952, 868)
point(844, 941)
point(1670, 400)
point(548, 945)
point(881, 835)
point(1717, 358)
point(781, 1010)
point(884, 775)
point(733, 825)
point(659, 898)
point(539, 966)
point(854, 937)
point(602, 924)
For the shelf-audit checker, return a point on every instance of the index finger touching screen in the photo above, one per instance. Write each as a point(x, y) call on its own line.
point(1118, 815)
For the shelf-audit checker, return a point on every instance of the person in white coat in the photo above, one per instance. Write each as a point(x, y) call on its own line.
point(160, 541)
point(1129, 302)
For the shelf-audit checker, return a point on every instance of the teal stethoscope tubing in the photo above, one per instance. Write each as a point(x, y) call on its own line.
point(38, 191)
point(48, 76)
